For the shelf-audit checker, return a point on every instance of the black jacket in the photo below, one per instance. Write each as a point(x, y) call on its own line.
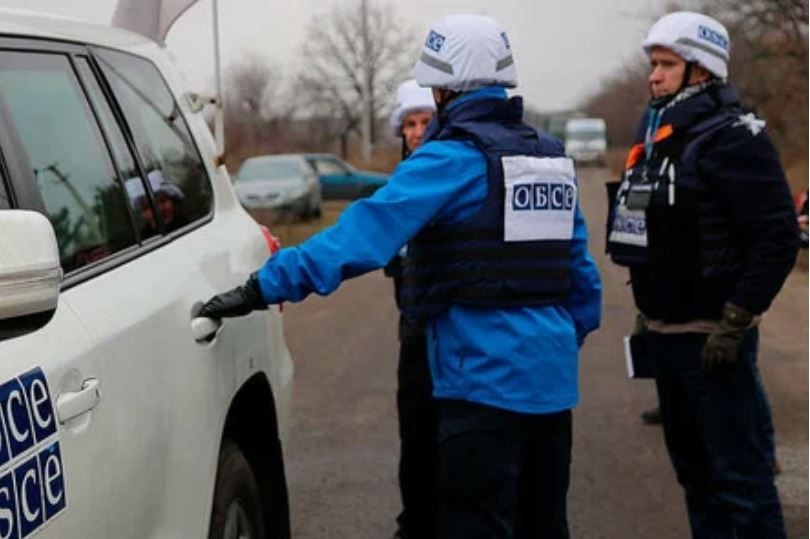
point(731, 234)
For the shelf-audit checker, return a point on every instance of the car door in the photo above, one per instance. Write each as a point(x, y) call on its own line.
point(336, 179)
point(56, 443)
point(171, 393)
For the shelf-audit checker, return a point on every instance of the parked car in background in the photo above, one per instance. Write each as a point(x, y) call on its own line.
point(339, 180)
point(122, 414)
point(586, 140)
point(281, 182)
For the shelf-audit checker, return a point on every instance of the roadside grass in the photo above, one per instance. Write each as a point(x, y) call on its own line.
point(292, 230)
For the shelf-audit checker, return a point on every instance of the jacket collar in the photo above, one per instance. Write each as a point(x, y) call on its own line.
point(690, 111)
point(679, 117)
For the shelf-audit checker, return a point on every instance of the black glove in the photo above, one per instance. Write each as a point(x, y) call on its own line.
point(722, 348)
point(240, 301)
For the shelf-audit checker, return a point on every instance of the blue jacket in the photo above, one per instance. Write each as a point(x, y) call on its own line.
point(515, 251)
point(522, 359)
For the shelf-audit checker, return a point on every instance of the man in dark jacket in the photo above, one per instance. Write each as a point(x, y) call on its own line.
point(704, 221)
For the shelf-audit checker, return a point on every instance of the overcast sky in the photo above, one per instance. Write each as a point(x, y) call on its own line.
point(562, 48)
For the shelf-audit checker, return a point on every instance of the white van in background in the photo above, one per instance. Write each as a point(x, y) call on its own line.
point(586, 140)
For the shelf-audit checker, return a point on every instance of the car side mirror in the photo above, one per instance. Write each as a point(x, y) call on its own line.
point(30, 272)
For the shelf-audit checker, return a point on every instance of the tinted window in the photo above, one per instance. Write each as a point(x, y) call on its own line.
point(175, 172)
point(64, 147)
point(138, 200)
point(267, 169)
point(328, 167)
point(5, 203)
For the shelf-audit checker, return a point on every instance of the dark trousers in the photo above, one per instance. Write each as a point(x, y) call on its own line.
point(717, 432)
point(418, 461)
point(502, 474)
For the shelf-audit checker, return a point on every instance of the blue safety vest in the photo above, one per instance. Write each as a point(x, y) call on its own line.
point(514, 251)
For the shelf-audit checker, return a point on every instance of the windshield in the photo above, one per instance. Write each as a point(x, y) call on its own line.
point(585, 136)
point(269, 169)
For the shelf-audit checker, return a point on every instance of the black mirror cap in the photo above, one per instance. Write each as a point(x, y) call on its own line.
point(11, 328)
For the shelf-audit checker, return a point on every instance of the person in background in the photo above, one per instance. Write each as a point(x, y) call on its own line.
point(704, 221)
point(416, 408)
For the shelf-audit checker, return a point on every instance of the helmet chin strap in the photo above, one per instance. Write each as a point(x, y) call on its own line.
point(658, 102)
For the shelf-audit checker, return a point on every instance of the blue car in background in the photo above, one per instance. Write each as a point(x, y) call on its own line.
point(339, 180)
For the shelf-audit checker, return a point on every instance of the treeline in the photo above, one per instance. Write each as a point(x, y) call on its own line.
point(350, 62)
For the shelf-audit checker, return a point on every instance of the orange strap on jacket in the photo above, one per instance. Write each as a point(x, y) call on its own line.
point(638, 149)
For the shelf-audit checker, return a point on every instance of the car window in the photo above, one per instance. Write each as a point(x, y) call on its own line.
point(74, 172)
point(175, 172)
point(5, 203)
point(142, 208)
point(269, 169)
point(328, 167)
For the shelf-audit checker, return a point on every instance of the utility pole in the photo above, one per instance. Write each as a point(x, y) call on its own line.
point(368, 102)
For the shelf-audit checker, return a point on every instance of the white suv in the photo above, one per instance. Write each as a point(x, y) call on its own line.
point(121, 414)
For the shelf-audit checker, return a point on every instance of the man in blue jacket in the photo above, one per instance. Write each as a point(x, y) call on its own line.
point(499, 271)
point(704, 221)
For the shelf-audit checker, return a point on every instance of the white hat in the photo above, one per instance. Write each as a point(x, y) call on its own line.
point(466, 52)
point(694, 37)
point(410, 98)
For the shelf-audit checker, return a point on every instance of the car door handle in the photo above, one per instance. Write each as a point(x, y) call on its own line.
point(72, 404)
point(204, 330)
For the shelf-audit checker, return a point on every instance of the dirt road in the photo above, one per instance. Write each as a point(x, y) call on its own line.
point(342, 455)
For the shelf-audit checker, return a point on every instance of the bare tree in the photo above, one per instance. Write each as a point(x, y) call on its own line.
point(254, 108)
point(620, 101)
point(252, 86)
point(351, 61)
point(769, 64)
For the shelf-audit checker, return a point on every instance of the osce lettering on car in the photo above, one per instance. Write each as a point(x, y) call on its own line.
point(435, 41)
point(32, 484)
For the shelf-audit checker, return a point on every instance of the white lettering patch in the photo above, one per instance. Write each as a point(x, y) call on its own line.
point(541, 198)
point(629, 227)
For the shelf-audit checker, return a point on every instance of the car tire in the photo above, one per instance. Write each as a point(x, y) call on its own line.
point(316, 212)
point(236, 512)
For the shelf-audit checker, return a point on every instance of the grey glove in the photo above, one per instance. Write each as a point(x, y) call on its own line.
point(722, 348)
point(239, 301)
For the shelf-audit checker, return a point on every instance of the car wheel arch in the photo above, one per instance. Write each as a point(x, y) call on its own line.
point(252, 406)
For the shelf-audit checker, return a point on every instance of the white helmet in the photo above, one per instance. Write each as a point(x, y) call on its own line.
point(410, 98)
point(464, 53)
point(694, 37)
